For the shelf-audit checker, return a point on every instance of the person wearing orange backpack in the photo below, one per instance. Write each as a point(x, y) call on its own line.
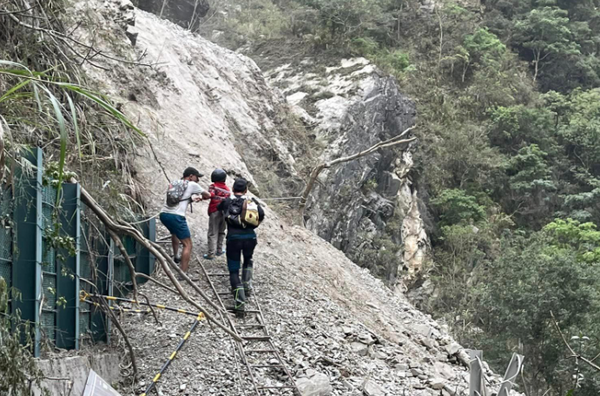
point(216, 222)
point(243, 216)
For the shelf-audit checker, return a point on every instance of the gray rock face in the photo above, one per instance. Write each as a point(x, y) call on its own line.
point(368, 207)
point(356, 201)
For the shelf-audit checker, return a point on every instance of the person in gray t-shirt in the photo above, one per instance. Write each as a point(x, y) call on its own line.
point(174, 217)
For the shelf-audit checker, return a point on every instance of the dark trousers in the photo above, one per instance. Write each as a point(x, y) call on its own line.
point(236, 248)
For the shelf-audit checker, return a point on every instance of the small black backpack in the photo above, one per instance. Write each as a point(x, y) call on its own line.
point(242, 213)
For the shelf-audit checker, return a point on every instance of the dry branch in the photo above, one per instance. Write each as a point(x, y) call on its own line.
point(571, 350)
point(127, 259)
point(165, 261)
point(66, 38)
point(317, 170)
point(117, 324)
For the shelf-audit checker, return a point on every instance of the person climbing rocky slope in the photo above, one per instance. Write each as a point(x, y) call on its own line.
point(341, 331)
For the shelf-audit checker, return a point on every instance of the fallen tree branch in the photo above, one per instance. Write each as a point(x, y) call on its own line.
point(127, 259)
point(165, 261)
point(151, 308)
point(319, 168)
point(159, 283)
point(117, 324)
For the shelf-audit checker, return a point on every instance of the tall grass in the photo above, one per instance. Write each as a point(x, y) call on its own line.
point(46, 92)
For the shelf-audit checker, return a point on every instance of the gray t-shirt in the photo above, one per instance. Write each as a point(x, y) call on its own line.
point(181, 209)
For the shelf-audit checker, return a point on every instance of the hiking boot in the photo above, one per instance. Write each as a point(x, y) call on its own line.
point(248, 288)
point(247, 281)
point(222, 252)
point(209, 256)
point(239, 301)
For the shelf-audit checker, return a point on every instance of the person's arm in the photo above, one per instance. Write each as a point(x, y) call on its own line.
point(196, 189)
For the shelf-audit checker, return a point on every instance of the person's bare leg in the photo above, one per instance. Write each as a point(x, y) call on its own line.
point(186, 254)
point(175, 243)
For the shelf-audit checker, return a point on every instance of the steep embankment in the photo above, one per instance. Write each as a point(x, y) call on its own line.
point(335, 324)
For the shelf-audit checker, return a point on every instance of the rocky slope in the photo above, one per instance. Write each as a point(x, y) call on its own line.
point(340, 330)
point(367, 208)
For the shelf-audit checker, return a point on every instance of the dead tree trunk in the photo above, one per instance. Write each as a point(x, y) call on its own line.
point(319, 168)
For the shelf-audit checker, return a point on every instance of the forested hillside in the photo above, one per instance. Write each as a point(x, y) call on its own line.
point(508, 162)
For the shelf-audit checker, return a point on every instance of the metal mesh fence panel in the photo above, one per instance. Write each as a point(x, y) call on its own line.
point(6, 235)
point(49, 289)
point(48, 320)
point(49, 265)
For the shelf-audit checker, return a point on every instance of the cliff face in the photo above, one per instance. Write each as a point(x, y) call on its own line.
point(368, 208)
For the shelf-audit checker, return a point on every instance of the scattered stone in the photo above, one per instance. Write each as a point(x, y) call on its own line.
point(423, 329)
point(416, 372)
point(317, 385)
point(453, 348)
point(366, 339)
point(372, 389)
point(437, 383)
point(359, 348)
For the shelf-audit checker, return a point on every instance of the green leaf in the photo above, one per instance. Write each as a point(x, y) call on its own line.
point(75, 124)
point(63, 140)
point(11, 91)
point(103, 103)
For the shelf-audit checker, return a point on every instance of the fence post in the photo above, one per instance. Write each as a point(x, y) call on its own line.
point(476, 384)
point(68, 276)
point(27, 257)
point(512, 371)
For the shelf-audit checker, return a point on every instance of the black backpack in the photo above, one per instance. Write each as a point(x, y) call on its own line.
point(242, 213)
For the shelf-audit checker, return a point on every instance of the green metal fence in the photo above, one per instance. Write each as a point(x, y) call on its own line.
point(45, 273)
point(6, 214)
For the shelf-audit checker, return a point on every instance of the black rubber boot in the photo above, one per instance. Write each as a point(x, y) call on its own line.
point(239, 301)
point(247, 281)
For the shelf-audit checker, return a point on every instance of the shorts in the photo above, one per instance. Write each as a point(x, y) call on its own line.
point(177, 225)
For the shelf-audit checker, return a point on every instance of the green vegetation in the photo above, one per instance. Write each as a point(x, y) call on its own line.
point(508, 94)
point(46, 101)
point(18, 367)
